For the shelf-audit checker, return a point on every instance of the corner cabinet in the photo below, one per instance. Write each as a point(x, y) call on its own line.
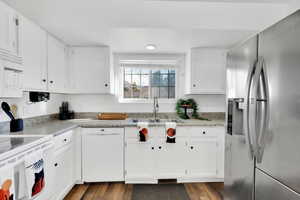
point(197, 155)
point(207, 71)
point(89, 70)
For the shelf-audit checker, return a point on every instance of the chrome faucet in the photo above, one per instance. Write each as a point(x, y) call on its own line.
point(155, 108)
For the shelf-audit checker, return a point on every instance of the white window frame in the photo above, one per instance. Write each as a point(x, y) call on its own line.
point(145, 62)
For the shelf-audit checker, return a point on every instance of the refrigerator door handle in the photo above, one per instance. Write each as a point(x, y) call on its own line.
point(248, 133)
point(263, 113)
point(258, 109)
point(252, 106)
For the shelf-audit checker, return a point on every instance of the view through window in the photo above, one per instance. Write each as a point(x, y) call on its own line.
point(145, 83)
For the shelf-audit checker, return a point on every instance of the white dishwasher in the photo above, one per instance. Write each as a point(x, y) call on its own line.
point(103, 154)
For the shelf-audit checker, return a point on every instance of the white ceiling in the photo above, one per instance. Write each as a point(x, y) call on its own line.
point(173, 25)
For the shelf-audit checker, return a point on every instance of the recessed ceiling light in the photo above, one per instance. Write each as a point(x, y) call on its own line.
point(150, 46)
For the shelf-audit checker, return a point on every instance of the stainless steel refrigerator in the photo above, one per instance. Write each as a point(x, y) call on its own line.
point(263, 118)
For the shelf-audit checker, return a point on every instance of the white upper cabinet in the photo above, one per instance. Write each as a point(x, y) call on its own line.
point(207, 71)
point(57, 69)
point(89, 70)
point(9, 34)
point(33, 43)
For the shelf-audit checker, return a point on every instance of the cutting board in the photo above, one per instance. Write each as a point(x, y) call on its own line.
point(112, 116)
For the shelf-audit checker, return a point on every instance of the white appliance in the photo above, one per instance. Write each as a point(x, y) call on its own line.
point(103, 154)
point(13, 151)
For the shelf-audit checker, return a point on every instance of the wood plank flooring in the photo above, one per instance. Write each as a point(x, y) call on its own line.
point(121, 191)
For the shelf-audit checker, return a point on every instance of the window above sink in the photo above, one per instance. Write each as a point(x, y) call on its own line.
point(141, 77)
point(149, 82)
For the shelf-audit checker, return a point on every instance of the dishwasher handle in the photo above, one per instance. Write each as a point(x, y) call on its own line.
point(104, 134)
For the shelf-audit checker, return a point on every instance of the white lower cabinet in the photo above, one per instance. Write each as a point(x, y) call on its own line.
point(63, 172)
point(139, 161)
point(102, 154)
point(202, 158)
point(197, 155)
point(64, 178)
point(168, 159)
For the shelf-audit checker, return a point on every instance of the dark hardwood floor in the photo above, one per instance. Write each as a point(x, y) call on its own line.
point(121, 191)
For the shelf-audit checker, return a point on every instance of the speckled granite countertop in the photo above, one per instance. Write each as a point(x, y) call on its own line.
point(92, 123)
point(56, 127)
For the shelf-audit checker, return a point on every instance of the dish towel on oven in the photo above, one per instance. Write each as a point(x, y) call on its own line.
point(7, 190)
point(143, 131)
point(34, 171)
point(171, 132)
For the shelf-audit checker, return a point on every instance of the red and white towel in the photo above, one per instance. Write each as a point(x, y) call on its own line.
point(7, 190)
point(143, 133)
point(171, 132)
point(35, 174)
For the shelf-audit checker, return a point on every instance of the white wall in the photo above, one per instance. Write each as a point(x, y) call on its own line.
point(110, 103)
point(26, 109)
point(294, 6)
point(104, 103)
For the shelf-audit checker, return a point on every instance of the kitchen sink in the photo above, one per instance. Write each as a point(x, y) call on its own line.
point(157, 120)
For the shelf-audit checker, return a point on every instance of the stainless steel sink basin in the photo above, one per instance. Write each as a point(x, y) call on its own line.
point(157, 120)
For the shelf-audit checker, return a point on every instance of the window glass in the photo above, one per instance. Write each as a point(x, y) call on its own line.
point(144, 83)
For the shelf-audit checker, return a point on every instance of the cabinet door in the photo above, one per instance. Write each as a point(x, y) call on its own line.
point(139, 161)
point(14, 33)
point(202, 158)
point(34, 50)
point(56, 65)
point(63, 171)
point(103, 157)
point(208, 71)
point(9, 31)
point(89, 70)
point(4, 27)
point(12, 84)
point(169, 159)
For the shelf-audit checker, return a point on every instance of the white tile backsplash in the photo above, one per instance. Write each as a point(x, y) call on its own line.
point(27, 109)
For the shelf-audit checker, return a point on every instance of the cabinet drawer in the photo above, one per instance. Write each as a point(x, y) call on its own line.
point(204, 131)
point(103, 131)
point(63, 139)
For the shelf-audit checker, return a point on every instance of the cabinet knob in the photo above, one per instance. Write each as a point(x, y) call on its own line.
point(51, 81)
point(192, 147)
point(106, 85)
point(194, 85)
point(44, 80)
point(159, 147)
point(204, 132)
point(55, 165)
point(152, 148)
point(65, 140)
